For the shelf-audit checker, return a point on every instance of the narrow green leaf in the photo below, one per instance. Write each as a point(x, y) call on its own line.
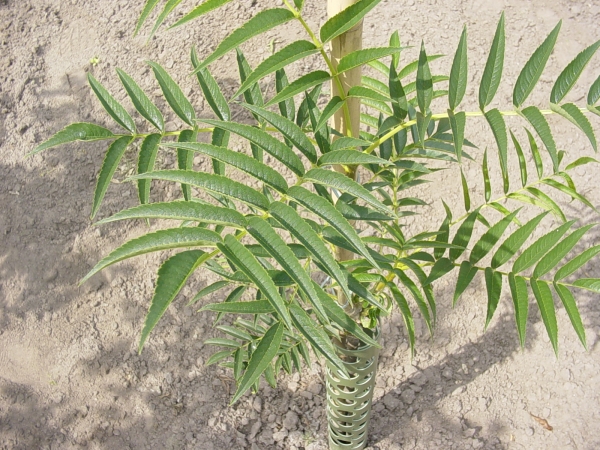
point(252, 307)
point(540, 124)
point(363, 56)
point(185, 158)
point(412, 67)
point(330, 109)
point(580, 162)
point(302, 84)
point(537, 159)
point(264, 140)
point(594, 92)
point(465, 189)
point(112, 107)
point(417, 296)
point(444, 232)
point(521, 158)
point(146, 160)
point(368, 93)
point(458, 73)
point(395, 42)
point(302, 117)
point(424, 82)
point(263, 21)
point(466, 274)
point(323, 136)
point(458, 122)
point(350, 158)
point(568, 302)
point(406, 316)
point(542, 200)
point(253, 94)
point(109, 166)
point(533, 69)
point(518, 290)
point(591, 284)
point(173, 94)
point(247, 263)
point(212, 93)
point(169, 6)
point(498, 126)
point(441, 267)
point(576, 263)
point(217, 357)
point(493, 283)
point(200, 10)
point(141, 102)
point(574, 115)
point(540, 247)
point(148, 7)
point(490, 238)
point(75, 132)
point(544, 299)
point(289, 129)
point(216, 184)
point(463, 235)
point(345, 20)
point(486, 178)
point(569, 76)
point(287, 108)
point(261, 358)
point(211, 288)
point(397, 95)
point(493, 67)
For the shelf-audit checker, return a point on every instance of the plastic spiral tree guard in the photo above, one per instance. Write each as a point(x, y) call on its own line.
point(349, 399)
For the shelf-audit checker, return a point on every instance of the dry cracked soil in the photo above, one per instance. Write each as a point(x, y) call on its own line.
point(70, 376)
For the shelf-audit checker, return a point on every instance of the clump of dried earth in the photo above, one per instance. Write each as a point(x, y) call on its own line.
point(70, 376)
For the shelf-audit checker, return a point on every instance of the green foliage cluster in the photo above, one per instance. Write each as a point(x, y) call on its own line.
point(268, 243)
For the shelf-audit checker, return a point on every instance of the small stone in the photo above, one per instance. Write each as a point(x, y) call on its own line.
point(257, 404)
point(280, 435)
point(50, 275)
point(291, 420)
point(529, 431)
point(314, 388)
point(408, 396)
point(391, 402)
point(116, 432)
point(293, 386)
point(459, 390)
point(255, 429)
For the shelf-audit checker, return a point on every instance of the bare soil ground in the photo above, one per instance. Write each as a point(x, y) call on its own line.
point(70, 377)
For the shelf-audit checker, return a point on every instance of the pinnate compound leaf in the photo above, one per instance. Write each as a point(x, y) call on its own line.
point(498, 126)
point(212, 183)
point(146, 160)
point(568, 302)
point(264, 140)
point(346, 19)
point(576, 263)
point(141, 102)
point(263, 21)
point(574, 115)
point(261, 358)
point(173, 94)
point(493, 283)
point(109, 166)
point(458, 73)
point(112, 106)
point(363, 56)
point(591, 284)
point(172, 275)
point(200, 10)
point(463, 235)
point(514, 242)
point(569, 76)
point(302, 84)
point(424, 82)
point(518, 291)
point(251, 307)
point(540, 124)
point(540, 247)
point(466, 274)
point(493, 67)
point(533, 69)
point(490, 238)
point(247, 263)
point(406, 316)
point(212, 93)
point(543, 296)
point(75, 132)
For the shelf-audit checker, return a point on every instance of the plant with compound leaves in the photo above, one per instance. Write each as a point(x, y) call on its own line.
point(345, 226)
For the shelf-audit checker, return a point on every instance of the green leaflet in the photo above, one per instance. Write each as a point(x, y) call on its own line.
point(233, 297)
point(493, 67)
point(540, 247)
point(574, 115)
point(287, 108)
point(302, 84)
point(487, 186)
point(172, 275)
point(212, 93)
point(360, 57)
point(406, 316)
point(214, 287)
point(463, 235)
point(594, 93)
point(580, 162)
point(591, 284)
point(235, 332)
point(569, 76)
point(148, 7)
point(533, 69)
point(397, 95)
point(521, 158)
point(261, 358)
point(518, 291)
point(465, 188)
point(543, 296)
point(343, 183)
point(173, 94)
point(540, 124)
point(498, 126)
point(395, 42)
point(253, 94)
point(200, 10)
point(444, 232)
point(302, 231)
point(112, 107)
point(576, 263)
point(411, 67)
point(263, 21)
point(465, 275)
point(109, 166)
point(441, 267)
point(323, 136)
point(356, 212)
point(346, 19)
point(216, 184)
point(539, 199)
point(493, 283)
point(238, 160)
point(417, 296)
point(569, 191)
point(284, 57)
point(141, 102)
point(424, 82)
point(458, 73)
point(75, 132)
point(568, 302)
point(182, 210)
point(217, 357)
point(427, 290)
point(458, 122)
point(185, 158)
point(350, 157)
point(302, 117)
point(537, 159)
point(158, 240)
point(345, 142)
point(145, 164)
point(490, 238)
point(289, 129)
point(554, 256)
point(330, 109)
point(316, 336)
point(299, 4)
point(247, 263)
point(169, 6)
point(266, 236)
point(264, 140)
point(365, 92)
point(222, 342)
point(251, 307)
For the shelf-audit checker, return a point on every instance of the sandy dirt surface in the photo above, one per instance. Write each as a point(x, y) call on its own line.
point(70, 376)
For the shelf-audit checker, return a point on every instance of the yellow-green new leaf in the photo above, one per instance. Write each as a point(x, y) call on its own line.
point(75, 132)
point(346, 19)
point(112, 106)
point(569, 76)
point(173, 94)
point(141, 102)
point(543, 296)
point(568, 302)
point(518, 291)
point(200, 10)
point(302, 84)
